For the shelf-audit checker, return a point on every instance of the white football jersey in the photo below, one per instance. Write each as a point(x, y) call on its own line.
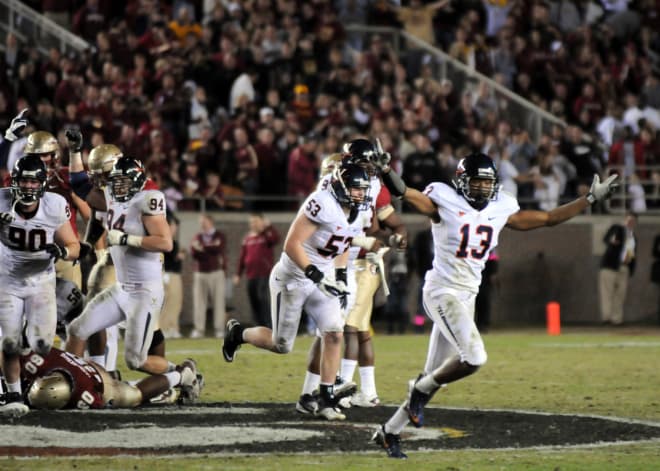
point(22, 242)
point(365, 216)
point(333, 236)
point(464, 236)
point(132, 264)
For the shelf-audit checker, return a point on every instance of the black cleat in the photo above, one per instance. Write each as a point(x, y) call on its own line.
point(416, 402)
point(307, 404)
point(233, 340)
point(389, 442)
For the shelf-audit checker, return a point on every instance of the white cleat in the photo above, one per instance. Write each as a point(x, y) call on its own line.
point(360, 399)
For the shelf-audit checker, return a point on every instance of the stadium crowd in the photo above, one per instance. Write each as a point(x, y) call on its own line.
point(228, 98)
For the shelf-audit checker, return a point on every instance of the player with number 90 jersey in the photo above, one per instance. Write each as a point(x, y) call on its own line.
point(134, 265)
point(86, 382)
point(464, 237)
point(22, 241)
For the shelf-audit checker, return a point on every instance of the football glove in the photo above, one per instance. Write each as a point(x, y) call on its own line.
point(328, 286)
point(604, 190)
point(6, 218)
point(117, 237)
point(17, 126)
point(341, 276)
point(74, 139)
point(56, 251)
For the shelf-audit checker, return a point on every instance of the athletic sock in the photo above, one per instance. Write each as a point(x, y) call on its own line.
point(98, 359)
point(368, 381)
point(398, 421)
point(348, 369)
point(14, 387)
point(311, 383)
point(427, 385)
point(173, 378)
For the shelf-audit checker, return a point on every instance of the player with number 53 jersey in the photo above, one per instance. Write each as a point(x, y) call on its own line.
point(137, 234)
point(317, 243)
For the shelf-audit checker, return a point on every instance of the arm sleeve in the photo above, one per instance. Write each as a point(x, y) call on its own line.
point(80, 183)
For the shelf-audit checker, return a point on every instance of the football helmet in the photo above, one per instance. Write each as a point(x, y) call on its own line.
point(126, 178)
point(470, 173)
point(49, 392)
point(361, 152)
point(45, 145)
point(100, 162)
point(28, 168)
point(345, 179)
point(329, 163)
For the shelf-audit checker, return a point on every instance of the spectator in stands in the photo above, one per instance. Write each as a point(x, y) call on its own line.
point(422, 166)
point(208, 251)
point(303, 167)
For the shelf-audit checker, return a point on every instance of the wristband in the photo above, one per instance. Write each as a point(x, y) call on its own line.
point(365, 242)
point(341, 274)
point(313, 273)
point(133, 240)
point(394, 183)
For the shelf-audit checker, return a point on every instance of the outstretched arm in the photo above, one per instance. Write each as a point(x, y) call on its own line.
point(526, 220)
point(421, 202)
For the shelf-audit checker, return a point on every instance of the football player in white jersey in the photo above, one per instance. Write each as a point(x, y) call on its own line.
point(138, 234)
point(34, 232)
point(466, 223)
point(317, 242)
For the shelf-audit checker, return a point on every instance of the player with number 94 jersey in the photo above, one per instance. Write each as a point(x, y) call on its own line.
point(132, 264)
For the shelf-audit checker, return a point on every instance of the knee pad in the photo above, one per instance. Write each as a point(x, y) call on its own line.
point(283, 346)
point(134, 361)
point(42, 347)
point(10, 346)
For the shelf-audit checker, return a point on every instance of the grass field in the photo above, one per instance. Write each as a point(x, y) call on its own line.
point(608, 372)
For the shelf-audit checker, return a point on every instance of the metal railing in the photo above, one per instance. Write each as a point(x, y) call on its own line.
point(30, 26)
point(521, 113)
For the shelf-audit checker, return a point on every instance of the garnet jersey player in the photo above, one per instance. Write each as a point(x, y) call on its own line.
point(61, 380)
point(466, 222)
point(34, 230)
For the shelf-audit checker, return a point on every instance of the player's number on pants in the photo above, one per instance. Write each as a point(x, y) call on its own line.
point(486, 234)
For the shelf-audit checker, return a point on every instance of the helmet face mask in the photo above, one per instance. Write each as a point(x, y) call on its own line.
point(350, 185)
point(126, 179)
point(477, 180)
point(28, 179)
point(49, 392)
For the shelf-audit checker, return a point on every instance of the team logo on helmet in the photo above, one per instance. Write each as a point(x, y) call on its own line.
point(361, 152)
point(126, 178)
point(45, 145)
point(28, 179)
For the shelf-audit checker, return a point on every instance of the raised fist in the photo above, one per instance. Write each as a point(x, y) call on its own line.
point(74, 139)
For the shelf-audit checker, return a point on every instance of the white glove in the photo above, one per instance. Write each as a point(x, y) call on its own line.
point(599, 191)
point(17, 125)
point(6, 218)
point(377, 259)
point(116, 237)
point(332, 288)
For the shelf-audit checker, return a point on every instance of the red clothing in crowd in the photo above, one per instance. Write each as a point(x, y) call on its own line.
point(302, 173)
point(256, 257)
point(208, 251)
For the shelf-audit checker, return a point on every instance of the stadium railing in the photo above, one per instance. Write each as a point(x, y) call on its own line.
point(31, 27)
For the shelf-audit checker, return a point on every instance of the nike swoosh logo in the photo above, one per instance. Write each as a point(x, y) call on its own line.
point(491, 218)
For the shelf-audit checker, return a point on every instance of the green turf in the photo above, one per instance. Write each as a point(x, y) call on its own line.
point(588, 371)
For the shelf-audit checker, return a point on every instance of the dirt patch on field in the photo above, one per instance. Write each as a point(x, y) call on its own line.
point(277, 428)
